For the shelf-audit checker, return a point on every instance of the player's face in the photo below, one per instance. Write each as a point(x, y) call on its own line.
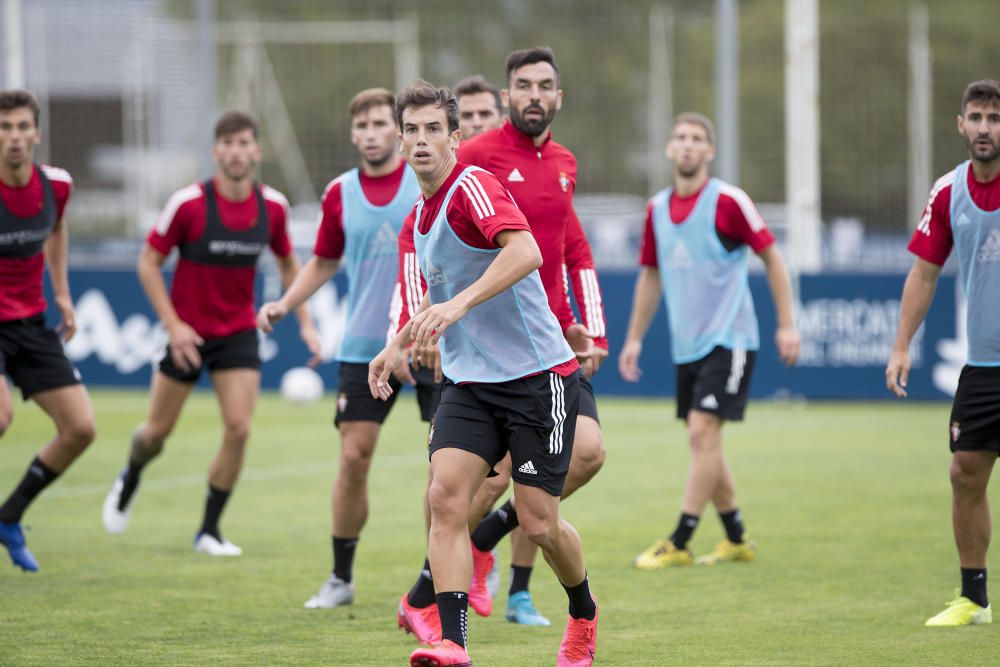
point(18, 136)
point(426, 143)
point(689, 149)
point(477, 113)
point(534, 98)
point(374, 133)
point(980, 125)
point(237, 154)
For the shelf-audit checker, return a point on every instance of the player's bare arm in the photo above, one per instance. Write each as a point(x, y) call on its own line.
point(184, 341)
point(288, 269)
point(316, 272)
point(383, 364)
point(786, 337)
point(918, 292)
point(56, 251)
point(519, 256)
point(645, 302)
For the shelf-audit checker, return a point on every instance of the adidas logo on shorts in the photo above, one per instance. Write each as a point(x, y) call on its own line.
point(528, 469)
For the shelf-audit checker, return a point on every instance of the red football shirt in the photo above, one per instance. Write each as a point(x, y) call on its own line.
point(583, 279)
point(736, 218)
point(480, 209)
point(378, 190)
point(410, 283)
point(932, 239)
point(541, 179)
point(216, 301)
point(21, 292)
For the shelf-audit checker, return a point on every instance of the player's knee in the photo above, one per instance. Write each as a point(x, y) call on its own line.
point(494, 487)
point(540, 529)
point(6, 417)
point(703, 437)
point(588, 458)
point(355, 460)
point(447, 505)
point(78, 435)
point(966, 478)
point(237, 432)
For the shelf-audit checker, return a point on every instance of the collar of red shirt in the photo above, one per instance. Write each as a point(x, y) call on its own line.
point(517, 136)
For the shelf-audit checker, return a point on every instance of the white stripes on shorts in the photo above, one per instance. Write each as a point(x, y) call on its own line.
point(558, 413)
point(736, 368)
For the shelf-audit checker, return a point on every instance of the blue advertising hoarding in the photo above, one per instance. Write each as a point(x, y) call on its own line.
point(848, 323)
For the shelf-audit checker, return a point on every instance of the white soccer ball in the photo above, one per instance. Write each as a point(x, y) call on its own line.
point(301, 385)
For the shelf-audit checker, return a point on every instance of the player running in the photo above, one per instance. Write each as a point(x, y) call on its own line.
point(220, 228)
point(511, 380)
point(695, 249)
point(32, 233)
point(362, 213)
point(963, 213)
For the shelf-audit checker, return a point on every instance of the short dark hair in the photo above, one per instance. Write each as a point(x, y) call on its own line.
point(695, 118)
point(422, 94)
point(536, 54)
point(235, 121)
point(475, 84)
point(370, 98)
point(17, 99)
point(986, 90)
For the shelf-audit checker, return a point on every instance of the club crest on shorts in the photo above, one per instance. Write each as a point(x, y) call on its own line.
point(341, 402)
point(430, 435)
point(956, 431)
point(564, 181)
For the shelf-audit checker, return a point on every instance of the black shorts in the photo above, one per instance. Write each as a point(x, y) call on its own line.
point(975, 413)
point(718, 383)
point(534, 418)
point(588, 404)
point(428, 393)
point(217, 354)
point(33, 356)
point(354, 397)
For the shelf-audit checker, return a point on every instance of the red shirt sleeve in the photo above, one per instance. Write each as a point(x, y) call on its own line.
point(330, 236)
point(172, 225)
point(278, 214)
point(583, 278)
point(932, 240)
point(481, 208)
point(647, 251)
point(738, 218)
point(410, 285)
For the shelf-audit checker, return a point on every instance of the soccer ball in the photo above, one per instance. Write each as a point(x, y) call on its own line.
point(301, 385)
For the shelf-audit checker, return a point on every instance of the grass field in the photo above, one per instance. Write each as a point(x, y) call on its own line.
point(848, 503)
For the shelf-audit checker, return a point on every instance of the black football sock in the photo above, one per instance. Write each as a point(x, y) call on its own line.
point(974, 585)
point(422, 593)
point(685, 529)
point(214, 504)
point(130, 482)
point(519, 578)
point(733, 523)
point(494, 527)
point(343, 557)
point(453, 608)
point(36, 478)
point(581, 602)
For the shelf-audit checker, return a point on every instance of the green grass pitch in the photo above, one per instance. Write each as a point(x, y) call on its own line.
point(848, 503)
